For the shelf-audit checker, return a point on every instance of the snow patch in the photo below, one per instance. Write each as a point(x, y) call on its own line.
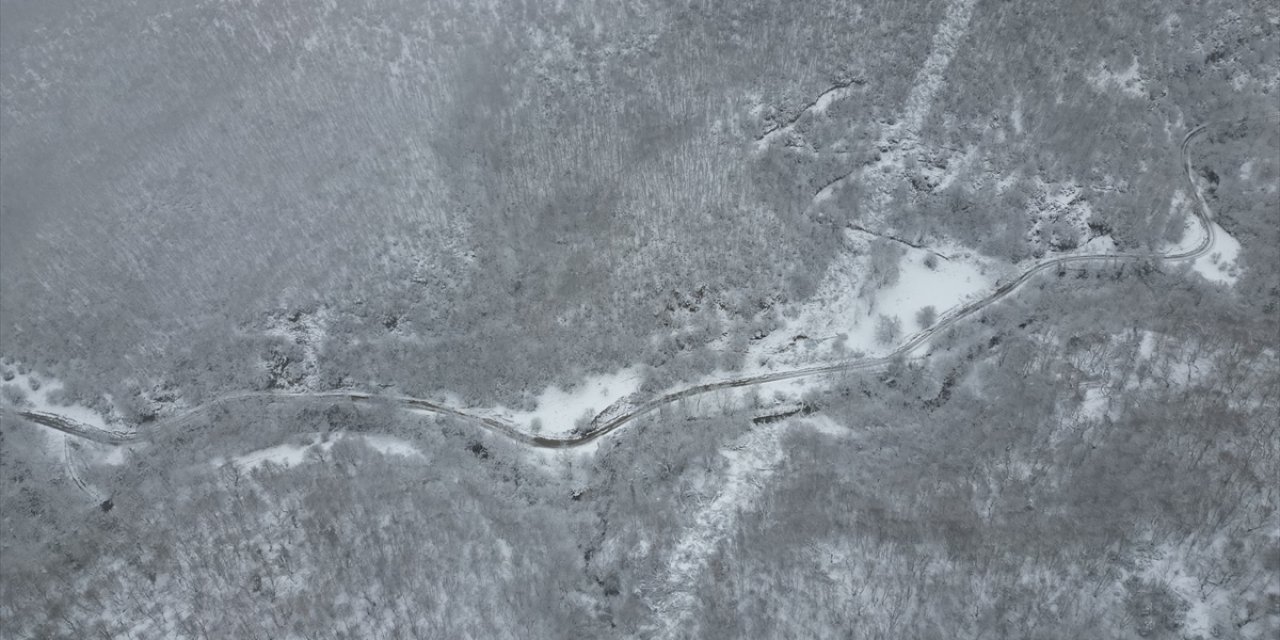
point(292, 455)
point(1128, 81)
point(837, 309)
point(115, 456)
point(39, 390)
point(826, 426)
point(1209, 609)
point(1015, 116)
point(558, 410)
point(1095, 404)
point(1219, 263)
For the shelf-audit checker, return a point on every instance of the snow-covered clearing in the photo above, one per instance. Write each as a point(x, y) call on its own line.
point(838, 308)
point(1219, 264)
point(556, 410)
point(1095, 405)
point(292, 455)
point(41, 394)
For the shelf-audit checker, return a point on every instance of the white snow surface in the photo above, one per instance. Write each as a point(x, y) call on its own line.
point(1219, 264)
point(836, 308)
point(558, 409)
point(40, 400)
point(292, 455)
point(1095, 404)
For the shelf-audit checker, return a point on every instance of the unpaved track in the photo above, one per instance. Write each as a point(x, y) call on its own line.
point(598, 428)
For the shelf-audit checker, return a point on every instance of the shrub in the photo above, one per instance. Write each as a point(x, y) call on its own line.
point(887, 329)
point(926, 316)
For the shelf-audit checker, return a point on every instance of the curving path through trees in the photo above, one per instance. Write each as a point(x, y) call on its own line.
point(605, 423)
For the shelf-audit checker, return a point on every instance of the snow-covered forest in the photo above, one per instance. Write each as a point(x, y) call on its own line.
point(920, 319)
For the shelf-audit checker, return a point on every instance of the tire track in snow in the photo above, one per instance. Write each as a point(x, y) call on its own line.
point(68, 460)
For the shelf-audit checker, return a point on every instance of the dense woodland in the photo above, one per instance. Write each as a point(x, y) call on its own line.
point(484, 198)
point(969, 494)
point(457, 204)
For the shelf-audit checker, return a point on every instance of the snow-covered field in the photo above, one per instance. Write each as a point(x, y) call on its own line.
point(841, 318)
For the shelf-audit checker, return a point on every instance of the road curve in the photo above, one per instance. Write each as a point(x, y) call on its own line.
point(601, 426)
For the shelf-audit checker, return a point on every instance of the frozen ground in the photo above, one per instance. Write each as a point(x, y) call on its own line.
point(839, 317)
point(556, 411)
point(40, 394)
point(1219, 265)
point(752, 458)
point(292, 455)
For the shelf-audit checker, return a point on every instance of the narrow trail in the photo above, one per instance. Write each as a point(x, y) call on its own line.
point(902, 137)
point(601, 427)
point(68, 461)
point(753, 457)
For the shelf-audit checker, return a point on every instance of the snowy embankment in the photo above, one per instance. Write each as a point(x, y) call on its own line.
point(292, 455)
point(40, 393)
point(33, 392)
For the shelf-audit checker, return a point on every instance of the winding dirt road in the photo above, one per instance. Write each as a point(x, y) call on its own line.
point(602, 425)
